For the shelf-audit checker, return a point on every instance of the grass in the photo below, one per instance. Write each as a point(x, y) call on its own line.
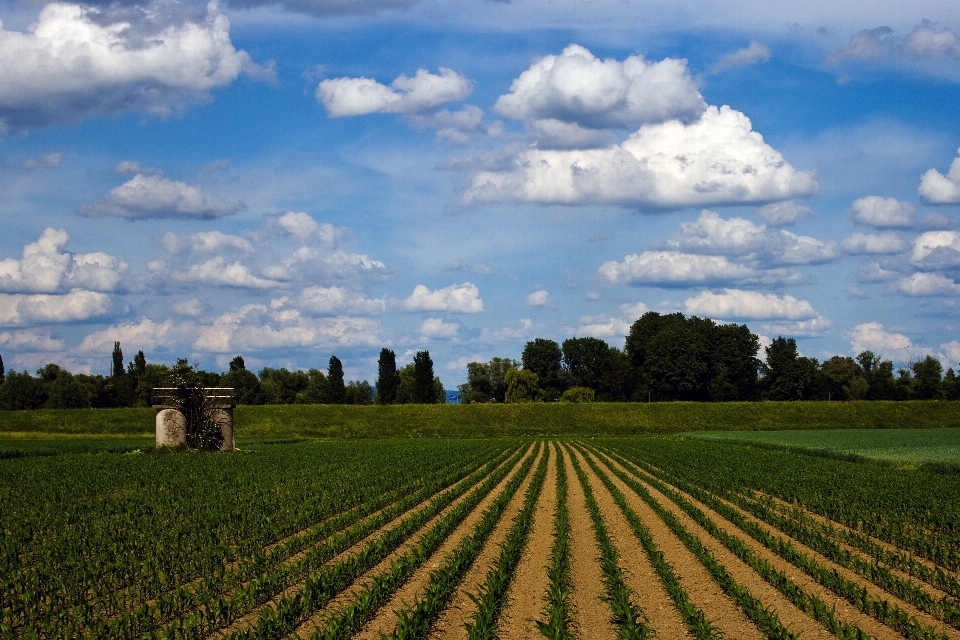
point(538, 419)
point(909, 447)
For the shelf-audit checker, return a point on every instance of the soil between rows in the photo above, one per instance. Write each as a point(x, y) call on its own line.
point(386, 619)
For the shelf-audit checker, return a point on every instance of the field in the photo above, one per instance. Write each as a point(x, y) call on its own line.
point(591, 537)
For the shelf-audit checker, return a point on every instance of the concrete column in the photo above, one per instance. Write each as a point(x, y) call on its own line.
point(223, 416)
point(171, 428)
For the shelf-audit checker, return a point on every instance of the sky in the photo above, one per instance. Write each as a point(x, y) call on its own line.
point(298, 179)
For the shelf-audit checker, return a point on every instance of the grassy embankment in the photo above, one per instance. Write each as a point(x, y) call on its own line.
point(398, 421)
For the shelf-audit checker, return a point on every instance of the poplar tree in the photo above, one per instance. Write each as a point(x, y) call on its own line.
point(388, 379)
point(338, 390)
point(116, 368)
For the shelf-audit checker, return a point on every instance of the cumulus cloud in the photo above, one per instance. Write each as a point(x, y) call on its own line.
point(863, 243)
point(45, 268)
point(218, 272)
point(78, 61)
point(673, 268)
point(882, 212)
point(205, 242)
point(523, 330)
point(457, 298)
point(153, 196)
point(752, 54)
point(49, 161)
point(304, 228)
point(20, 309)
point(603, 327)
point(325, 8)
point(145, 333)
point(456, 126)
point(920, 49)
point(711, 234)
point(715, 160)
point(871, 336)
point(577, 87)
point(422, 93)
point(338, 300)
point(781, 214)
point(937, 249)
point(538, 298)
point(30, 340)
point(874, 272)
point(798, 328)
point(926, 284)
point(192, 307)
point(936, 188)
point(434, 328)
point(740, 304)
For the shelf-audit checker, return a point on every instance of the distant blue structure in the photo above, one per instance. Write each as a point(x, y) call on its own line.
point(453, 397)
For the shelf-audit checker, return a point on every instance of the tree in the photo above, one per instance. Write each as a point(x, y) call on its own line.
point(359, 392)
point(66, 392)
point(245, 384)
point(424, 391)
point(407, 388)
point(388, 379)
point(237, 364)
point(578, 395)
point(522, 386)
point(544, 358)
point(2, 371)
point(927, 375)
point(586, 360)
point(844, 378)
point(138, 365)
point(950, 385)
point(783, 374)
point(116, 367)
point(486, 382)
point(336, 391)
point(21, 391)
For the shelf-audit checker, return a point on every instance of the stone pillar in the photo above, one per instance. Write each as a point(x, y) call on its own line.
point(223, 416)
point(171, 427)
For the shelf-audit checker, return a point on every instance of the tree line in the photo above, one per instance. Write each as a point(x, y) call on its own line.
point(132, 385)
point(670, 357)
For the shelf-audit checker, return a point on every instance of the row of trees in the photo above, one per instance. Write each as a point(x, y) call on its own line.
point(56, 388)
point(672, 357)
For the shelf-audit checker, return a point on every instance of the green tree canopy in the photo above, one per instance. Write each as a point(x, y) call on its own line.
point(336, 390)
point(388, 378)
point(545, 358)
point(424, 391)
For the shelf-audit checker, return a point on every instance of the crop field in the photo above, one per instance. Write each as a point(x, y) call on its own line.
point(633, 537)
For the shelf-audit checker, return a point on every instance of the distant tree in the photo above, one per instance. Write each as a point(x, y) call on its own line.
point(66, 392)
point(844, 378)
point(522, 386)
point(246, 385)
point(903, 385)
point(116, 366)
point(927, 378)
point(237, 364)
point(280, 386)
point(21, 391)
point(388, 379)
point(578, 395)
point(336, 390)
point(138, 365)
point(486, 381)
point(950, 388)
point(317, 391)
point(784, 375)
point(406, 390)
point(424, 391)
point(2, 370)
point(359, 392)
point(545, 358)
point(586, 360)
point(50, 371)
point(677, 365)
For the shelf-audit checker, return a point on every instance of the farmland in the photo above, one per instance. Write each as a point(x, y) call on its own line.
point(599, 537)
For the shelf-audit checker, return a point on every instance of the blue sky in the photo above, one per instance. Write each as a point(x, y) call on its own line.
point(293, 180)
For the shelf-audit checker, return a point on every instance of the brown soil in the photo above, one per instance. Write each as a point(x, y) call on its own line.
point(703, 592)
point(461, 608)
point(591, 616)
point(386, 619)
point(649, 594)
point(525, 596)
point(845, 610)
point(254, 613)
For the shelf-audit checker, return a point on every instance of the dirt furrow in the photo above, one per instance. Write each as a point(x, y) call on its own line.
point(591, 615)
point(461, 608)
point(639, 574)
point(253, 614)
point(704, 593)
point(845, 611)
point(386, 618)
point(525, 596)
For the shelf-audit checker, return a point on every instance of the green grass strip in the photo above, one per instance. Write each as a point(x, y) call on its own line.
point(693, 617)
point(765, 619)
point(888, 614)
point(629, 618)
point(493, 593)
point(416, 620)
point(378, 590)
point(557, 612)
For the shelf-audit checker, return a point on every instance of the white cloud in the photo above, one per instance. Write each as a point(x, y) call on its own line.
point(30, 340)
point(330, 7)
point(712, 234)
point(303, 227)
point(718, 159)
point(951, 353)
point(153, 196)
point(633, 311)
point(49, 161)
point(422, 93)
point(538, 298)
point(129, 166)
point(752, 54)
point(205, 242)
point(522, 331)
point(739, 304)
point(603, 327)
point(19, 309)
point(936, 188)
point(873, 272)
point(937, 249)
point(871, 336)
point(926, 284)
point(192, 307)
point(217, 272)
point(78, 61)
point(556, 134)
point(337, 300)
point(577, 87)
point(799, 328)
point(146, 334)
point(433, 328)
point(676, 268)
point(781, 214)
point(927, 49)
point(861, 243)
point(456, 126)
point(457, 298)
point(45, 268)
point(882, 212)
